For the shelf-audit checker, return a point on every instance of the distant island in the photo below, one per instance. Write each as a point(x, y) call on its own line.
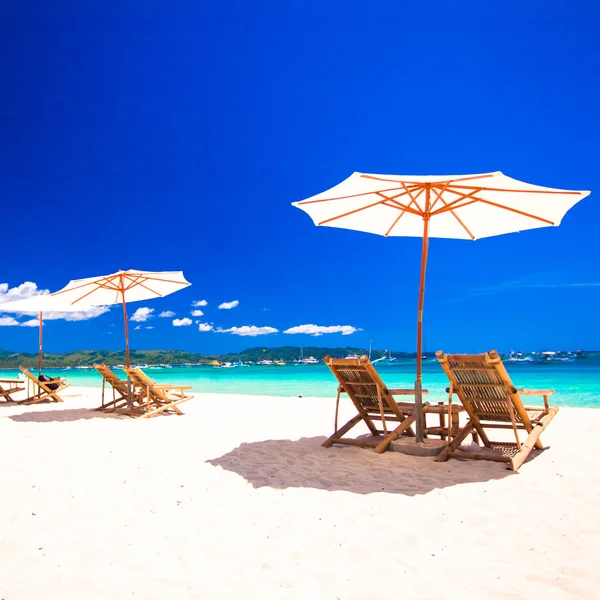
point(79, 358)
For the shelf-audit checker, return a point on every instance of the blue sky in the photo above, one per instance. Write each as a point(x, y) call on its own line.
point(175, 136)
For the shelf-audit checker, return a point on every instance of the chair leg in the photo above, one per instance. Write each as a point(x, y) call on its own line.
point(456, 442)
point(172, 405)
point(394, 435)
point(532, 440)
point(340, 432)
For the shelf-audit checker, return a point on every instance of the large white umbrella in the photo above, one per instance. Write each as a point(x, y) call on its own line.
point(38, 305)
point(444, 206)
point(121, 288)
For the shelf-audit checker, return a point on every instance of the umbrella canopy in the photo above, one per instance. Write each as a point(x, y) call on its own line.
point(120, 288)
point(38, 305)
point(444, 206)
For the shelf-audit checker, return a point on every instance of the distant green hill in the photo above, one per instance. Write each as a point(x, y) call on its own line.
point(78, 358)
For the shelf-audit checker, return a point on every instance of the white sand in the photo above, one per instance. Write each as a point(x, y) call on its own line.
point(237, 499)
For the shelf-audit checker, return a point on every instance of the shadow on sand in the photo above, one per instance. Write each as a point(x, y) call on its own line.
point(68, 414)
point(305, 463)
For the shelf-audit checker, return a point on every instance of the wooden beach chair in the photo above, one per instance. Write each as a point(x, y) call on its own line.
point(9, 387)
point(484, 388)
point(376, 403)
point(119, 388)
point(45, 390)
point(155, 398)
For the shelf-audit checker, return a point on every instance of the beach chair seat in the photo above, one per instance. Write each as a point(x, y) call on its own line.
point(120, 390)
point(156, 398)
point(9, 387)
point(491, 401)
point(376, 403)
point(46, 388)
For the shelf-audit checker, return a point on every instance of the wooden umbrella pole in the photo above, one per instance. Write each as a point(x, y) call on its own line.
point(419, 424)
point(126, 327)
point(40, 348)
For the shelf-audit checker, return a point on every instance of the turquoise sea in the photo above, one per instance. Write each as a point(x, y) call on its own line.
point(575, 383)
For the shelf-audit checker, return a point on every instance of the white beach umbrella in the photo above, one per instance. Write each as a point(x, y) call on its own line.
point(38, 305)
point(121, 288)
point(443, 206)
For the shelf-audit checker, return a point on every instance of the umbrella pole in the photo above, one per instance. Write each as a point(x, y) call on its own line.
point(419, 422)
point(127, 361)
point(40, 348)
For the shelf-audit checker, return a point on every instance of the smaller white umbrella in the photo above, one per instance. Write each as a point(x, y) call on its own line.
point(122, 287)
point(38, 305)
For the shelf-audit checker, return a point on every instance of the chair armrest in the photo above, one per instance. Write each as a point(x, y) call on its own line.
point(535, 392)
point(544, 393)
point(406, 392)
point(173, 386)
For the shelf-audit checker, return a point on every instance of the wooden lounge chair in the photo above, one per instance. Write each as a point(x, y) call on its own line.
point(119, 387)
point(46, 390)
point(9, 387)
point(484, 388)
point(155, 398)
point(375, 402)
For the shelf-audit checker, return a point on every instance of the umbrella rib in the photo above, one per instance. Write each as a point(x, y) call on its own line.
point(387, 233)
point(355, 195)
point(404, 207)
point(100, 283)
point(519, 212)
point(484, 176)
point(457, 218)
point(454, 203)
point(165, 280)
point(141, 284)
point(438, 194)
point(414, 198)
point(352, 212)
point(450, 207)
point(366, 176)
point(488, 189)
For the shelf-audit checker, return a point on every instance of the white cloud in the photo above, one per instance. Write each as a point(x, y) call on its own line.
point(167, 313)
point(182, 322)
point(30, 323)
point(229, 305)
point(317, 330)
point(249, 330)
point(199, 303)
point(28, 289)
point(142, 314)
point(149, 327)
point(205, 327)
point(137, 327)
point(8, 322)
point(197, 313)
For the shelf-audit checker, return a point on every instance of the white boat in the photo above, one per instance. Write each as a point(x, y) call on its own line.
point(311, 360)
point(265, 361)
point(385, 360)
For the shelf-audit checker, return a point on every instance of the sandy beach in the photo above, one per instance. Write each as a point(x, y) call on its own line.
point(237, 499)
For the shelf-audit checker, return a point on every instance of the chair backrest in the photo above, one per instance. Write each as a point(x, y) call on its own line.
point(119, 384)
point(140, 379)
point(359, 379)
point(55, 384)
point(483, 386)
point(29, 374)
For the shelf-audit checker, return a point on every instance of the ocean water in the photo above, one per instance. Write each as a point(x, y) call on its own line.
point(575, 383)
